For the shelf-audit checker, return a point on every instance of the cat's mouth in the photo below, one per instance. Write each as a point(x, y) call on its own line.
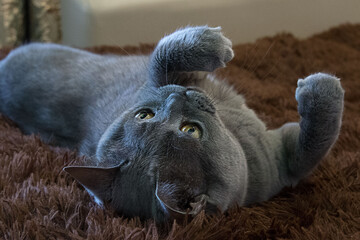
point(179, 204)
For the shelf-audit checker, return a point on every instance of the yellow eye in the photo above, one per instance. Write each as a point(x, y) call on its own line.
point(144, 115)
point(191, 129)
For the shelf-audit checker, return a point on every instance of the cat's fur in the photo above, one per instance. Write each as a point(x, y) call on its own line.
point(150, 168)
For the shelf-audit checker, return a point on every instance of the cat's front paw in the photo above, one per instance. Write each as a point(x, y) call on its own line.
point(218, 46)
point(189, 49)
point(319, 84)
point(319, 93)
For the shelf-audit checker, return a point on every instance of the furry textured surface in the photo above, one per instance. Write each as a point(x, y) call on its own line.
point(39, 201)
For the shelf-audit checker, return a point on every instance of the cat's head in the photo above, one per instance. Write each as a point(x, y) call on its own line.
point(173, 154)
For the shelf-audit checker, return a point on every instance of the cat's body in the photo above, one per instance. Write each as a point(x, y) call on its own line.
point(128, 113)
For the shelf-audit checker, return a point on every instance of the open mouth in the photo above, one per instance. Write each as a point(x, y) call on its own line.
point(180, 205)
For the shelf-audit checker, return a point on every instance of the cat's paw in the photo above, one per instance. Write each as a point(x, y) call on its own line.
point(319, 92)
point(319, 84)
point(215, 43)
point(195, 49)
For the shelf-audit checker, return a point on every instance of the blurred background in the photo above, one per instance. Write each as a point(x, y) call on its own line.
point(85, 23)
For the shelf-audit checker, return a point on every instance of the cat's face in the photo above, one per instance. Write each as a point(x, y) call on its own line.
point(172, 150)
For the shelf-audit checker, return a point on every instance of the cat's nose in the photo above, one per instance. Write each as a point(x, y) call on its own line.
point(174, 105)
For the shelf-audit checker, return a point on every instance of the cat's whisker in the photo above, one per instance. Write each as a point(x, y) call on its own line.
point(166, 68)
point(263, 58)
point(246, 57)
point(265, 55)
point(271, 70)
point(252, 61)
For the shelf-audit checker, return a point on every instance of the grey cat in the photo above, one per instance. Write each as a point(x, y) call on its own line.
point(165, 136)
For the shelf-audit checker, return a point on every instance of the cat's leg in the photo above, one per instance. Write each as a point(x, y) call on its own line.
point(190, 49)
point(320, 104)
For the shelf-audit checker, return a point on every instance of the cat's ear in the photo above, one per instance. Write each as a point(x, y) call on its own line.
point(96, 180)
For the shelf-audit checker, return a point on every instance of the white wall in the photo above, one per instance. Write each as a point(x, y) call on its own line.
point(122, 22)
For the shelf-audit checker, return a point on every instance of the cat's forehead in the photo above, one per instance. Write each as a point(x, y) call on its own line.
point(193, 95)
point(164, 91)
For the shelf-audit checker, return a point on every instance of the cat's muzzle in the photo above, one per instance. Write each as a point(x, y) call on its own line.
point(182, 207)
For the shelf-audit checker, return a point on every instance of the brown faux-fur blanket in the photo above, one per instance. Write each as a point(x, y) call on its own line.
point(39, 201)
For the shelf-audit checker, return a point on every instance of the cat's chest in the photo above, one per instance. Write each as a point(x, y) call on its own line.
point(242, 123)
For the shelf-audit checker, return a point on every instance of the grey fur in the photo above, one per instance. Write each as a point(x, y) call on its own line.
point(88, 102)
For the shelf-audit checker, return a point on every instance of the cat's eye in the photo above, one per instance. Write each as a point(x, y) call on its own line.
point(191, 129)
point(144, 115)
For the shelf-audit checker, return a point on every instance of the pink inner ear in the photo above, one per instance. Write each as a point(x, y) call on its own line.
point(95, 179)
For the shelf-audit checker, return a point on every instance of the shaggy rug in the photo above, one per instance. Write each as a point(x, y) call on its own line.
point(39, 201)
